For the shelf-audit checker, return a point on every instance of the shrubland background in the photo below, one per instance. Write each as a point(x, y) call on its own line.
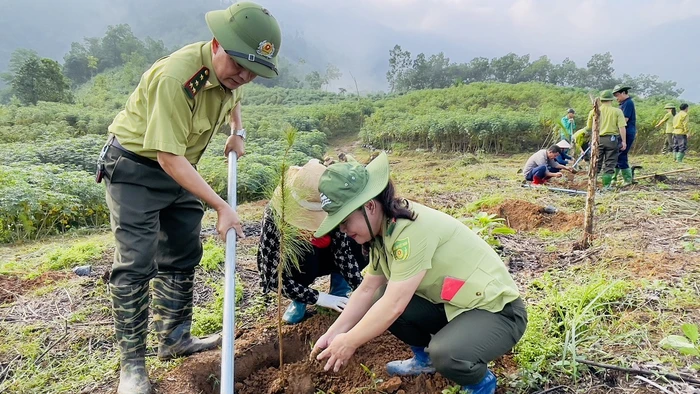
point(55, 116)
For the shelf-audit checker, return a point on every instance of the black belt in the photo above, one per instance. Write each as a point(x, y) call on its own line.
point(115, 145)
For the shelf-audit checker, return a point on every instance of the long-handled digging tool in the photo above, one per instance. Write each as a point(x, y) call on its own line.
point(554, 189)
point(581, 157)
point(655, 176)
point(227, 348)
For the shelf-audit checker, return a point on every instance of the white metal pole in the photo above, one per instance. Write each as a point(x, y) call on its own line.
point(227, 347)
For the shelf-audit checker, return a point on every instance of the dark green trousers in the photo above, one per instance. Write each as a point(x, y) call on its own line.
point(608, 152)
point(156, 223)
point(461, 348)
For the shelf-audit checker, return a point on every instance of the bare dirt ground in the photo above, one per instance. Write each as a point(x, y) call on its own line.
point(640, 234)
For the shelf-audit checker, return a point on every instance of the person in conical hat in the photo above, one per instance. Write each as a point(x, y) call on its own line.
point(564, 157)
point(333, 254)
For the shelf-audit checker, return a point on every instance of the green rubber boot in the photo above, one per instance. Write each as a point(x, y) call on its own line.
point(680, 157)
point(130, 311)
point(627, 176)
point(614, 176)
point(172, 316)
point(607, 181)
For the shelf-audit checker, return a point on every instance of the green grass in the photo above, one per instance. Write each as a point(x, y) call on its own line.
point(569, 315)
point(214, 255)
point(78, 254)
point(209, 318)
point(57, 254)
point(485, 203)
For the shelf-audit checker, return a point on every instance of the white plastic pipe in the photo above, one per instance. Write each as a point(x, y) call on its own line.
point(227, 346)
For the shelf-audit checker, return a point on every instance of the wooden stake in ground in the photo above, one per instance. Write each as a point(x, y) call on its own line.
point(587, 240)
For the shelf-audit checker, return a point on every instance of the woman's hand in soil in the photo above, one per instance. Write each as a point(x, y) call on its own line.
point(338, 353)
point(322, 343)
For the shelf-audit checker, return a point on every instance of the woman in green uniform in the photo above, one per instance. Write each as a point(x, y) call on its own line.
point(441, 289)
point(668, 120)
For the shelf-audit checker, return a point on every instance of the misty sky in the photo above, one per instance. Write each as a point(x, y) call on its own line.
point(644, 36)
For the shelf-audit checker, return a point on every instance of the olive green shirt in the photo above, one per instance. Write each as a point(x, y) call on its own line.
point(668, 120)
point(680, 123)
point(611, 119)
point(582, 136)
point(161, 116)
point(462, 271)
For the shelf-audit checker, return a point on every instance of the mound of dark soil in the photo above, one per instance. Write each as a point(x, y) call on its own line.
point(12, 287)
point(526, 216)
point(257, 361)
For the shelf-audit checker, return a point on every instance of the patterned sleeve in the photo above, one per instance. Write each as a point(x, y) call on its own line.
point(346, 254)
point(268, 260)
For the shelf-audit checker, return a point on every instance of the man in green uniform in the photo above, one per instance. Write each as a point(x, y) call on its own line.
point(612, 136)
point(668, 120)
point(154, 190)
point(680, 133)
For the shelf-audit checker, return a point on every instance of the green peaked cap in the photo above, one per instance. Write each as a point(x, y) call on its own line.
point(345, 187)
point(250, 34)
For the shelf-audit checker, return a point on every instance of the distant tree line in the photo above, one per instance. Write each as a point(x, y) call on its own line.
point(32, 78)
point(408, 73)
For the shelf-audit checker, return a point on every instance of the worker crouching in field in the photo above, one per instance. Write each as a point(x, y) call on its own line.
point(544, 165)
point(563, 157)
point(432, 282)
point(333, 254)
point(680, 133)
point(612, 137)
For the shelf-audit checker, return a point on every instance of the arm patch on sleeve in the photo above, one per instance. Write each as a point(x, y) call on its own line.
point(194, 84)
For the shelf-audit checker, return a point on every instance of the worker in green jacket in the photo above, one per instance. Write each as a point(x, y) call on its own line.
point(569, 123)
point(582, 140)
point(612, 136)
point(668, 131)
point(680, 133)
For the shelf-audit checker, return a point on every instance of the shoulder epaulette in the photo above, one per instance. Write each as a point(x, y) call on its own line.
point(194, 84)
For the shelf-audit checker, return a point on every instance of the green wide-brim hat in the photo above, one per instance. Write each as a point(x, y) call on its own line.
point(619, 88)
point(250, 34)
point(345, 187)
point(670, 106)
point(606, 95)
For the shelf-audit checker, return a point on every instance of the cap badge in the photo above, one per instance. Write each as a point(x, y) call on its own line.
point(266, 49)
